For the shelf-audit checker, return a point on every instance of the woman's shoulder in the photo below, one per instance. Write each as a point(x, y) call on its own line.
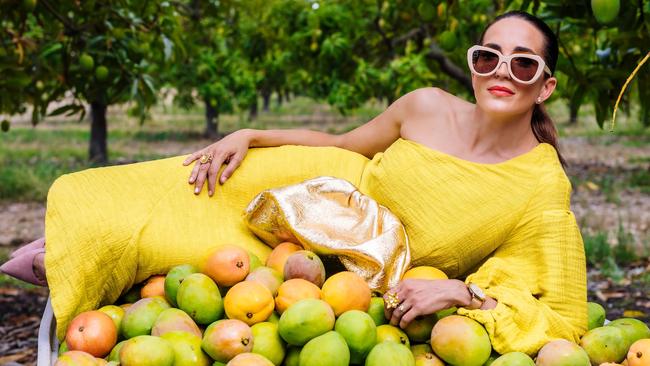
point(434, 98)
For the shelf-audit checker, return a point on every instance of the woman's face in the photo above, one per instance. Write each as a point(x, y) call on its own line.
point(500, 93)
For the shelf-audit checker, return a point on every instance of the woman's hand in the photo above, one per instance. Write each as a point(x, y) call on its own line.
point(230, 150)
point(424, 297)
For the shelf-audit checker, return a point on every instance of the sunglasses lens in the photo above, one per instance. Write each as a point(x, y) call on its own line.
point(484, 61)
point(524, 68)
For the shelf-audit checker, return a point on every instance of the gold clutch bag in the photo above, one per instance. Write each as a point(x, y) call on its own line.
point(330, 217)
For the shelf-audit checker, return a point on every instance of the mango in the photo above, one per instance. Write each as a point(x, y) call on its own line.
point(187, 349)
point(328, 349)
point(390, 353)
point(140, 317)
point(459, 340)
point(268, 342)
point(513, 359)
point(562, 353)
point(225, 339)
point(306, 265)
point(200, 298)
point(603, 344)
point(174, 278)
point(305, 320)
point(145, 350)
point(174, 320)
point(359, 331)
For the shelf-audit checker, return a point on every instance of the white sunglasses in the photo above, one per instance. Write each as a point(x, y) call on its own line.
point(523, 67)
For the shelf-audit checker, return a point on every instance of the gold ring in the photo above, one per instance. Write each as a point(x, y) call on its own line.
point(401, 308)
point(205, 158)
point(392, 300)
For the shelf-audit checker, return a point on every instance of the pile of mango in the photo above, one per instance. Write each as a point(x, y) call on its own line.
point(234, 310)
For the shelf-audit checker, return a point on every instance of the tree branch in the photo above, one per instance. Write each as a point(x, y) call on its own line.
point(406, 36)
point(61, 18)
point(449, 68)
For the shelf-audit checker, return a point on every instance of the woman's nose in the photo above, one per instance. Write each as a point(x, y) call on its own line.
point(502, 70)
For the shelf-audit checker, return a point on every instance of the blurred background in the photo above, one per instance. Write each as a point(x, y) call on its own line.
point(86, 83)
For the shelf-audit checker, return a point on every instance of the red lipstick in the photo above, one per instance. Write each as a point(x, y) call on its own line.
point(501, 91)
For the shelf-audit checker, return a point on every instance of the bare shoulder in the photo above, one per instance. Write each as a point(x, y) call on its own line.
point(426, 107)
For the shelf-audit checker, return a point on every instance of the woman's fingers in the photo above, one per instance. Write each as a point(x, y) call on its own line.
point(408, 317)
point(233, 163)
point(192, 157)
point(399, 312)
point(201, 176)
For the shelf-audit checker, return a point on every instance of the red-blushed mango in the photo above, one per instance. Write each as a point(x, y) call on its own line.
point(200, 298)
point(147, 350)
point(154, 286)
point(306, 265)
point(92, 332)
point(346, 291)
point(604, 344)
point(389, 333)
point(75, 358)
point(174, 278)
point(268, 343)
point(513, 359)
point(249, 301)
point(459, 340)
point(227, 265)
point(390, 353)
point(639, 353)
point(225, 339)
point(249, 359)
point(187, 349)
point(562, 353)
point(359, 331)
point(328, 349)
point(268, 277)
point(140, 317)
point(278, 256)
point(305, 320)
point(174, 320)
point(294, 290)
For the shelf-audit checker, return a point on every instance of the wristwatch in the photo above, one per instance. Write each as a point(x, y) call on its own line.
point(478, 296)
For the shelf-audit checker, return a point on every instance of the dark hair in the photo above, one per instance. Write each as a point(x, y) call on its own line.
point(541, 123)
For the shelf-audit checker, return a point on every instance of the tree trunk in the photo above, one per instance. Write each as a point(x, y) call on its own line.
point(97, 151)
point(287, 96)
point(211, 121)
point(573, 116)
point(252, 112)
point(279, 99)
point(266, 96)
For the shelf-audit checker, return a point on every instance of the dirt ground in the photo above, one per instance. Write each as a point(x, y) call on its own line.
point(21, 222)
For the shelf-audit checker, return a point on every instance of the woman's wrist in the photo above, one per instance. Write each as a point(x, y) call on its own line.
point(463, 297)
point(250, 135)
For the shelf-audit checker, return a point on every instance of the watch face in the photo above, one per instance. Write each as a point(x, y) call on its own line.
point(477, 291)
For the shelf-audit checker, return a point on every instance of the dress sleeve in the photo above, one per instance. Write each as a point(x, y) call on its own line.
point(538, 278)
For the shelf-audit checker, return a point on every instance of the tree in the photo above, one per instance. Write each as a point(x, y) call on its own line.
point(100, 53)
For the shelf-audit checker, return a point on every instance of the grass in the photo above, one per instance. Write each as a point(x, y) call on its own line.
point(600, 253)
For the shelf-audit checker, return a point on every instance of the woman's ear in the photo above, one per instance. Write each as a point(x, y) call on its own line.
point(547, 88)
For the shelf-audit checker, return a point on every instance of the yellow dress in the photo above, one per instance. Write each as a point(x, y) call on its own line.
point(506, 227)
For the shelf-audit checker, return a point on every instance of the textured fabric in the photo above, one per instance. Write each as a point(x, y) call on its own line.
point(329, 216)
point(507, 226)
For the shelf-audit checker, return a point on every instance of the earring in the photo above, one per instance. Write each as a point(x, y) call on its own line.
point(539, 100)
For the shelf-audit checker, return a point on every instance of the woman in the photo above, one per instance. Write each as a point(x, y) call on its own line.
point(479, 188)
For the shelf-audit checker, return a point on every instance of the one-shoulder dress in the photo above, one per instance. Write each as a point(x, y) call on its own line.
point(507, 227)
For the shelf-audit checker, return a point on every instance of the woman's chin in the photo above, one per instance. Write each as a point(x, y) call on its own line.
point(500, 106)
